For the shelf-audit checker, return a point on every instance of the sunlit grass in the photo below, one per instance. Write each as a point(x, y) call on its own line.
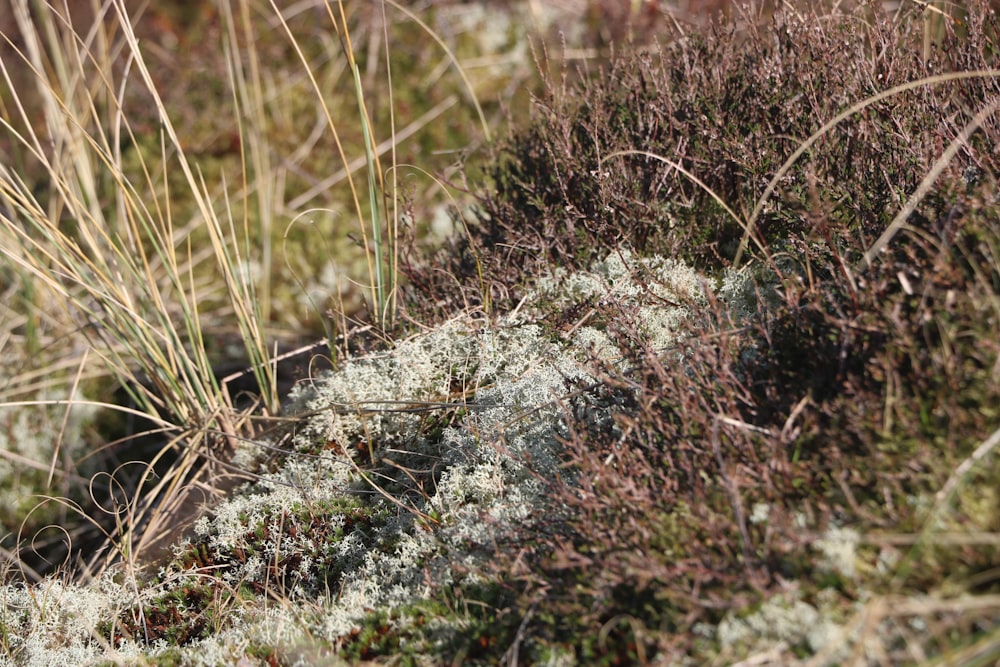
point(163, 239)
point(107, 254)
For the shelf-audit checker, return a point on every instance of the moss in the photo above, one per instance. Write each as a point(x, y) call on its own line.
point(468, 625)
point(177, 617)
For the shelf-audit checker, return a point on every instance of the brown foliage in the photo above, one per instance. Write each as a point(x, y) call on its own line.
point(855, 390)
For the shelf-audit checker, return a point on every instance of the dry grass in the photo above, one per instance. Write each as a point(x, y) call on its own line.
point(153, 241)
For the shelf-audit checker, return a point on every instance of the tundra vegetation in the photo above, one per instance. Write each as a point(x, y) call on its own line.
point(697, 363)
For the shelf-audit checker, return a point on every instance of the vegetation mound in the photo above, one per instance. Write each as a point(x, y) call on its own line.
point(712, 378)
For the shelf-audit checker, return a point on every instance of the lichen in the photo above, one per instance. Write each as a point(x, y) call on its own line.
point(839, 549)
point(53, 623)
point(320, 526)
point(783, 620)
point(491, 464)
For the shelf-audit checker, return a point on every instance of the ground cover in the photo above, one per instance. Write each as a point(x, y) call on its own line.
point(708, 375)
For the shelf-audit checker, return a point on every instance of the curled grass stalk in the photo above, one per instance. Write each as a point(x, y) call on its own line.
point(701, 184)
point(484, 291)
point(104, 247)
point(836, 120)
point(925, 185)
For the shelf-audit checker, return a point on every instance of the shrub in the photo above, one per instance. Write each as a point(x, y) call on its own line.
point(728, 105)
point(853, 397)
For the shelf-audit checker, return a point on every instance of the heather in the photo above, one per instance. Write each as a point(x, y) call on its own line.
point(697, 363)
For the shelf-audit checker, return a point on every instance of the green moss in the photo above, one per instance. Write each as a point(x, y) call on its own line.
point(469, 625)
point(177, 617)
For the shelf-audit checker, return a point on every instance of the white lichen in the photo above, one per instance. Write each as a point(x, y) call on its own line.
point(839, 548)
point(660, 293)
point(493, 460)
point(30, 436)
point(781, 620)
point(53, 623)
